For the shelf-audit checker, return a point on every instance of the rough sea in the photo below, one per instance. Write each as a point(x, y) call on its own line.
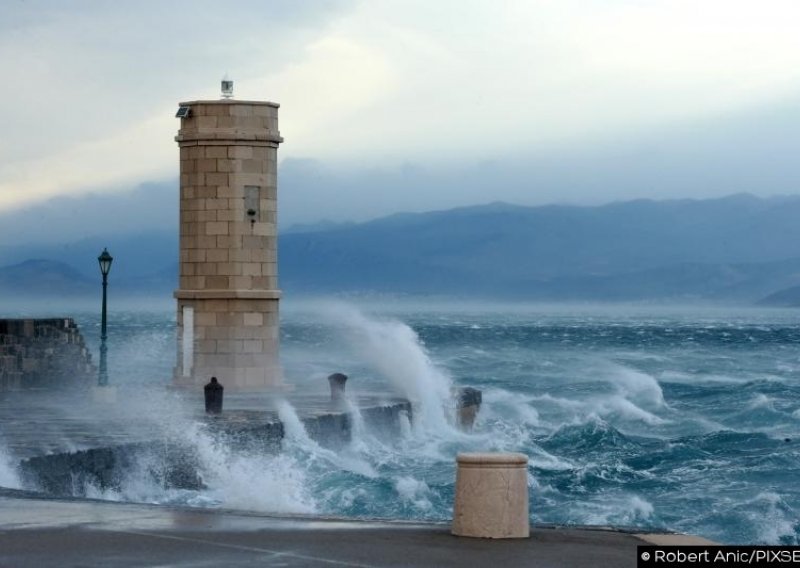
point(686, 419)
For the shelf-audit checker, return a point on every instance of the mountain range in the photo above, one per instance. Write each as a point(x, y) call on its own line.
point(739, 248)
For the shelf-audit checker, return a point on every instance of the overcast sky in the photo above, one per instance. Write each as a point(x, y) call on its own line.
point(407, 105)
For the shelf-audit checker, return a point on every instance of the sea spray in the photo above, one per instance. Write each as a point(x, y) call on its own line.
point(406, 431)
point(231, 478)
point(712, 465)
point(760, 400)
point(293, 429)
point(776, 521)
point(506, 423)
point(394, 349)
point(413, 491)
point(297, 439)
point(633, 385)
point(358, 430)
point(9, 476)
point(245, 480)
point(620, 509)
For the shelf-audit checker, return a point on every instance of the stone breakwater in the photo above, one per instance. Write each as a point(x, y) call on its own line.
point(39, 353)
point(174, 463)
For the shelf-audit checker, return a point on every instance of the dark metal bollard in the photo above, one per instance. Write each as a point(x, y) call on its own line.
point(213, 391)
point(337, 381)
point(468, 403)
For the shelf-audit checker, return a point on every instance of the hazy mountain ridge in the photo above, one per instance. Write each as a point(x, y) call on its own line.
point(739, 248)
point(44, 277)
point(640, 249)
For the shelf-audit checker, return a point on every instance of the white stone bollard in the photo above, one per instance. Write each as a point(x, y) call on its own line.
point(491, 498)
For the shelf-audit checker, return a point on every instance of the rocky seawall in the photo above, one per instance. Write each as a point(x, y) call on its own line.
point(173, 462)
point(43, 353)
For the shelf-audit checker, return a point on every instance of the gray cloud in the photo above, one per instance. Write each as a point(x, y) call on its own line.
point(151, 206)
point(754, 151)
point(750, 152)
point(82, 71)
point(392, 107)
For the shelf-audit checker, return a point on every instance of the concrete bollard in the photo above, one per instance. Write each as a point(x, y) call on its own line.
point(213, 392)
point(468, 403)
point(337, 382)
point(491, 496)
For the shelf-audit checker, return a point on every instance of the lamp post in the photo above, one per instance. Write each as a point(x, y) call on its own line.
point(105, 261)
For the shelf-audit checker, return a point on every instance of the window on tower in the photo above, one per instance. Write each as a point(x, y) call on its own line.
point(252, 202)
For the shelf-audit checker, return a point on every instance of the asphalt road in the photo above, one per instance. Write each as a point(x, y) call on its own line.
point(41, 533)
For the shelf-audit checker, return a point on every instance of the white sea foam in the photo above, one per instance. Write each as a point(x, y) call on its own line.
point(358, 430)
point(236, 480)
point(562, 402)
point(698, 378)
point(636, 386)
point(640, 508)
point(413, 491)
point(624, 408)
point(511, 406)
point(600, 407)
point(405, 425)
point(542, 459)
point(773, 518)
point(274, 483)
point(506, 422)
point(618, 510)
point(761, 400)
point(297, 437)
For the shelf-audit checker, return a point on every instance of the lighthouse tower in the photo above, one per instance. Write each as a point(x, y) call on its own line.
point(228, 292)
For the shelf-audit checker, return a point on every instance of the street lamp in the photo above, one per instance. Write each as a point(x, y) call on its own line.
point(105, 261)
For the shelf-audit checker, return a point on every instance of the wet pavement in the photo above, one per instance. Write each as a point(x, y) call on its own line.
point(38, 532)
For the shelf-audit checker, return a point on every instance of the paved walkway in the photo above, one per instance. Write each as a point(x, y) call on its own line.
point(45, 533)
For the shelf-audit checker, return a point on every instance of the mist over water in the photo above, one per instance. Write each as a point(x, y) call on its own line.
point(8, 472)
point(656, 418)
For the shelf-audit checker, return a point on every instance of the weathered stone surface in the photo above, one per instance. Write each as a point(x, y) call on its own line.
point(491, 498)
point(43, 353)
point(228, 235)
point(73, 474)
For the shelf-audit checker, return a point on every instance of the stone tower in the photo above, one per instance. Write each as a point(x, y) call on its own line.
point(228, 292)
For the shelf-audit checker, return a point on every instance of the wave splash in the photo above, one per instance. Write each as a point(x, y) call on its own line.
point(395, 351)
point(651, 435)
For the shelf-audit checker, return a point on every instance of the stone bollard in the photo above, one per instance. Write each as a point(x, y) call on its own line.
point(337, 382)
point(468, 403)
point(213, 392)
point(491, 496)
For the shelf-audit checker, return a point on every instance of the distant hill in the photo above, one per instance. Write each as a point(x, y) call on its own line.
point(324, 225)
point(144, 264)
point(739, 248)
point(44, 278)
point(787, 297)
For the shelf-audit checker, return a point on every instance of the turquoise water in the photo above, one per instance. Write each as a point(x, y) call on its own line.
point(685, 419)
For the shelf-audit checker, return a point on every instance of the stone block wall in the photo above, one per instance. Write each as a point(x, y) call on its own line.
point(43, 353)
